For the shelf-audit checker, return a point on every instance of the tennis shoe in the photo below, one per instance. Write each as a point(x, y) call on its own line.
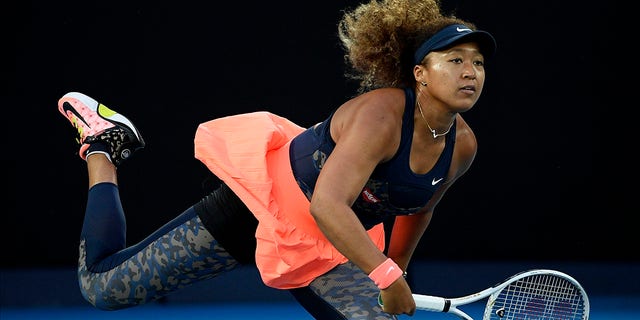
point(97, 123)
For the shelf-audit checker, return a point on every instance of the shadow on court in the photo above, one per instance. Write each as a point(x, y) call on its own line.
point(53, 293)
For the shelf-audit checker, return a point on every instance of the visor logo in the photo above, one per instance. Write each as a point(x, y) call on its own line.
point(462, 29)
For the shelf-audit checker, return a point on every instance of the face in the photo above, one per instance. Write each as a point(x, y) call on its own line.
point(454, 76)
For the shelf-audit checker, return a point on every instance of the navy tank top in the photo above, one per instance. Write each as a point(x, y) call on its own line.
point(393, 188)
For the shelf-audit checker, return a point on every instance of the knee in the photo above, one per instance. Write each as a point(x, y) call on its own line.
point(103, 295)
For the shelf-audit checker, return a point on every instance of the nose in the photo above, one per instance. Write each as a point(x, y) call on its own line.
point(469, 72)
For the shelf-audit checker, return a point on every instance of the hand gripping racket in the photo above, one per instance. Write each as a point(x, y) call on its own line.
point(534, 294)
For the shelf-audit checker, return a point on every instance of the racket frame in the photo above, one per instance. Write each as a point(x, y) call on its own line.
point(450, 305)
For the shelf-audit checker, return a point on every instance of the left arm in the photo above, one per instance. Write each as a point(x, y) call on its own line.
point(408, 230)
point(405, 235)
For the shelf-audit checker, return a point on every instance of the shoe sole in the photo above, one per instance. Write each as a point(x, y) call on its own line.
point(101, 110)
point(69, 104)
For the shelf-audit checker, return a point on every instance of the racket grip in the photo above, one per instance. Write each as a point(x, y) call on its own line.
point(431, 303)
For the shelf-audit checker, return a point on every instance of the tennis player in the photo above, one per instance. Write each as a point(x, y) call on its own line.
point(304, 205)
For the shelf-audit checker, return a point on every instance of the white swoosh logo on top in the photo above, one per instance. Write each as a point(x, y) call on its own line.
point(434, 181)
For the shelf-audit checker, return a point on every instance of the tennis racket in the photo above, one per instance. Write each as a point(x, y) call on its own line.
point(534, 294)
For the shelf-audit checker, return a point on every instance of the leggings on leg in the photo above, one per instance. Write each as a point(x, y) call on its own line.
point(113, 276)
point(345, 292)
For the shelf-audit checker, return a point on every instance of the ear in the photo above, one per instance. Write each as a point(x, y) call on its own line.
point(420, 73)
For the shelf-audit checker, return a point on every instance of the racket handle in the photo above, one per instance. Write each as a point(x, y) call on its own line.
point(428, 303)
point(431, 303)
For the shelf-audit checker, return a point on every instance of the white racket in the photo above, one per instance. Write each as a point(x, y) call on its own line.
point(534, 294)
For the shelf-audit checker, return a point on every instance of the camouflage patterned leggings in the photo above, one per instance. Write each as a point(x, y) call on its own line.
point(113, 276)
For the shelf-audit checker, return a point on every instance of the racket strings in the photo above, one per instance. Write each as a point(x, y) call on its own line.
point(539, 297)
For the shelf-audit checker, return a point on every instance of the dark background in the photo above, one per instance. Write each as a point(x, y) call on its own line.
point(544, 185)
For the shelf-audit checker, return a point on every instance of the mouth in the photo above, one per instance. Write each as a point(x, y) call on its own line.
point(468, 89)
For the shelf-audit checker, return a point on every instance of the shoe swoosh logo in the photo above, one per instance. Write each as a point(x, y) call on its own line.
point(434, 181)
point(462, 29)
point(66, 106)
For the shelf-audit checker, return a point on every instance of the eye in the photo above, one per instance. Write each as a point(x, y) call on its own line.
point(479, 63)
point(456, 60)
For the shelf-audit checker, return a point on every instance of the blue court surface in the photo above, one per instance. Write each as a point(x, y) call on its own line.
point(604, 308)
point(620, 308)
point(614, 293)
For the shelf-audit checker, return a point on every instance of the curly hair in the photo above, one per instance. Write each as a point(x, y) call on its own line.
point(381, 36)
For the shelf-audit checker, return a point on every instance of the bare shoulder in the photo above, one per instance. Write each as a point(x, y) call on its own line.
point(374, 117)
point(380, 107)
point(466, 147)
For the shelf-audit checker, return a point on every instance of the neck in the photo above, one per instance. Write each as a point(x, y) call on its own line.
point(433, 132)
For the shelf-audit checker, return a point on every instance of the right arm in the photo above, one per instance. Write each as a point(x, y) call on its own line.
point(367, 132)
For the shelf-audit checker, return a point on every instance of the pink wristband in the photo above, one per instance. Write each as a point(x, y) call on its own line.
point(385, 274)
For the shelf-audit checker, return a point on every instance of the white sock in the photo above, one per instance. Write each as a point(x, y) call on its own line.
point(101, 152)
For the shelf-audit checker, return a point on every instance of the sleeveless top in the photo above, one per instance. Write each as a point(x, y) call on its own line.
point(250, 153)
point(393, 188)
point(272, 164)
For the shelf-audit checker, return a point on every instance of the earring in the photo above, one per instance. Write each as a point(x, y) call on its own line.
point(423, 83)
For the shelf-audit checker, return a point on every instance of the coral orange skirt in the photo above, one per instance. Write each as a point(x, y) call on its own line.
point(250, 153)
